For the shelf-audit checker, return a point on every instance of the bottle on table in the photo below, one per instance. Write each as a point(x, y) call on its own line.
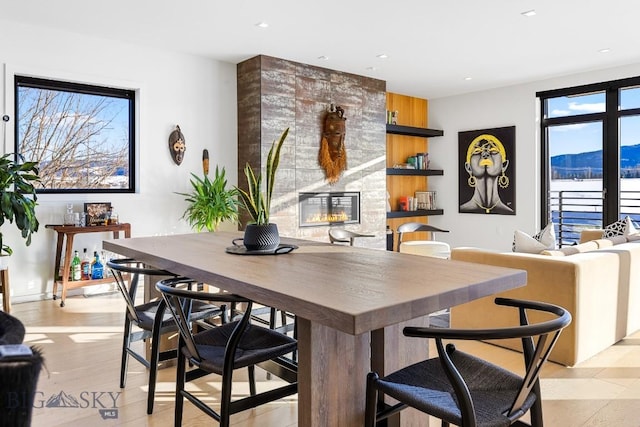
point(85, 266)
point(97, 270)
point(75, 267)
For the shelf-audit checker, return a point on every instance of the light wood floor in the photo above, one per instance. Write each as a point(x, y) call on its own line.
point(81, 344)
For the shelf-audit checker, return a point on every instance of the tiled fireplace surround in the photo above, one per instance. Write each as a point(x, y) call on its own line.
point(274, 94)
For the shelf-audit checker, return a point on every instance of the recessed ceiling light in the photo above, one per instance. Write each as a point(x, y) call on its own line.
point(323, 58)
point(262, 25)
point(605, 50)
point(528, 13)
point(382, 56)
point(468, 78)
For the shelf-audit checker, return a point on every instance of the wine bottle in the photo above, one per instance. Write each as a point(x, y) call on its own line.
point(75, 267)
point(85, 266)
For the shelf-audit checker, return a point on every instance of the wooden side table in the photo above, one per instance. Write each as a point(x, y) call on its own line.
point(5, 291)
point(66, 233)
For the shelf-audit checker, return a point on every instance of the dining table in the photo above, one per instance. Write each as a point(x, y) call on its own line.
point(351, 304)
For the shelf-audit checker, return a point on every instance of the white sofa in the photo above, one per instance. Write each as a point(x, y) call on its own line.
point(597, 281)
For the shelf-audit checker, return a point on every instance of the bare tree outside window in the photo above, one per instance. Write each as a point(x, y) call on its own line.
point(81, 136)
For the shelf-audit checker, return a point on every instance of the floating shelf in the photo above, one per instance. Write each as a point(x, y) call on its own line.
point(413, 131)
point(416, 172)
point(419, 212)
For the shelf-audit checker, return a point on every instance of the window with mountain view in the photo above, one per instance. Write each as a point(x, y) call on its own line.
point(591, 156)
point(82, 136)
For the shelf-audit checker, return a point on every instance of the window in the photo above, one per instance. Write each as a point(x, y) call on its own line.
point(591, 156)
point(82, 136)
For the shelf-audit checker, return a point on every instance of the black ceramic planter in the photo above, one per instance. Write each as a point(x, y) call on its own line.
point(261, 237)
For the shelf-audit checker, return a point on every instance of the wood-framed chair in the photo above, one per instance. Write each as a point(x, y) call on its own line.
point(222, 350)
point(151, 319)
point(414, 227)
point(465, 390)
point(340, 235)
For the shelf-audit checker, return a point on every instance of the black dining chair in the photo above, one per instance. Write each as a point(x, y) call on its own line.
point(224, 349)
point(151, 319)
point(465, 390)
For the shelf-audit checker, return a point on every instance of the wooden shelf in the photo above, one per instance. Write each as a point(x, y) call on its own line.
point(413, 131)
point(419, 212)
point(415, 172)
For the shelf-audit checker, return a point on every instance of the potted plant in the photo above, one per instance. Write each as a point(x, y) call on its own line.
point(210, 202)
point(18, 198)
point(260, 234)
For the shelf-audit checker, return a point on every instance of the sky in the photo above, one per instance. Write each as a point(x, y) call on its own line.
point(585, 137)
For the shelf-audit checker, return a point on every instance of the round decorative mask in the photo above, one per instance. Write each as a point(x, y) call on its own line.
point(177, 145)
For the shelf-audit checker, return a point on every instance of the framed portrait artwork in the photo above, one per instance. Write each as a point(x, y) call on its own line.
point(487, 171)
point(96, 212)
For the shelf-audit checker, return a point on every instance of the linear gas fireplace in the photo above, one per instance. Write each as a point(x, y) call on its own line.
point(329, 208)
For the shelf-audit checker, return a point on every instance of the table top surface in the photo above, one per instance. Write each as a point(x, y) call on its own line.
point(351, 289)
point(89, 228)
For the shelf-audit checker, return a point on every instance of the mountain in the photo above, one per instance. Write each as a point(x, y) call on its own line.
point(589, 164)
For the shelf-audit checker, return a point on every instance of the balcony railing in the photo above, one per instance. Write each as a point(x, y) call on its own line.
point(574, 211)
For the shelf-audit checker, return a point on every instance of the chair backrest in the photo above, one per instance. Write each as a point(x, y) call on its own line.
point(340, 235)
point(538, 340)
point(429, 248)
point(128, 270)
point(413, 227)
point(180, 301)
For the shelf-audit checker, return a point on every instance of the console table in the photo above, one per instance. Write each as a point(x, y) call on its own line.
point(66, 233)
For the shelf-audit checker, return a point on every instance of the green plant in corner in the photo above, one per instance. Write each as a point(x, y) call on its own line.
point(210, 202)
point(257, 203)
point(18, 197)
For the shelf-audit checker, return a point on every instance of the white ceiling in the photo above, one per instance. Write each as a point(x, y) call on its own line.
point(432, 45)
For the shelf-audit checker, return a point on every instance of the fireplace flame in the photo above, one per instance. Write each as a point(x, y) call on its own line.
point(326, 217)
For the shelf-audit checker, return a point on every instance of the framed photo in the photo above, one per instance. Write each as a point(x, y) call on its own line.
point(487, 171)
point(96, 212)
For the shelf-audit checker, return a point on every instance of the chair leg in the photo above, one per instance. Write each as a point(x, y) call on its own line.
point(180, 380)
point(252, 379)
point(371, 402)
point(153, 369)
point(126, 342)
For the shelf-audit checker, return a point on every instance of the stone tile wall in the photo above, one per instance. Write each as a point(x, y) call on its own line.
point(274, 94)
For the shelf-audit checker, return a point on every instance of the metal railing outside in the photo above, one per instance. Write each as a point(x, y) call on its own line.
point(574, 211)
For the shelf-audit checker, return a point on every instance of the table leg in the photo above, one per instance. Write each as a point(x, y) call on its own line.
point(332, 371)
point(66, 269)
point(390, 351)
point(56, 271)
point(6, 291)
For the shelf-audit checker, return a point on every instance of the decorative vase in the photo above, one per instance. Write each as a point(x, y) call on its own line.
point(261, 237)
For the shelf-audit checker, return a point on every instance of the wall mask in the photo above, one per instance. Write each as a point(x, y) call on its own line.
point(333, 155)
point(177, 145)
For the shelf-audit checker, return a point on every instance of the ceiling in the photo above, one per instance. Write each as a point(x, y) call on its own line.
point(434, 48)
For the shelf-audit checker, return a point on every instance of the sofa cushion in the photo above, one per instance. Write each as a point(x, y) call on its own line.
point(623, 227)
point(572, 250)
point(544, 239)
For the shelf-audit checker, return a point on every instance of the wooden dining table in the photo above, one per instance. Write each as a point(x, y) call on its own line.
point(351, 304)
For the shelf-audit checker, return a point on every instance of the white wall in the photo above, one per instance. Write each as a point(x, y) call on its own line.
point(515, 105)
point(197, 93)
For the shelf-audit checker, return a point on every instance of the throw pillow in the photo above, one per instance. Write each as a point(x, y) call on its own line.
point(544, 239)
point(623, 227)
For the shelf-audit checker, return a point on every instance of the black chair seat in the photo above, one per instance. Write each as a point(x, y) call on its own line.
point(147, 313)
point(256, 345)
point(425, 386)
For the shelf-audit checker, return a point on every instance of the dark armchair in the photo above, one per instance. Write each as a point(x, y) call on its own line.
point(467, 391)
